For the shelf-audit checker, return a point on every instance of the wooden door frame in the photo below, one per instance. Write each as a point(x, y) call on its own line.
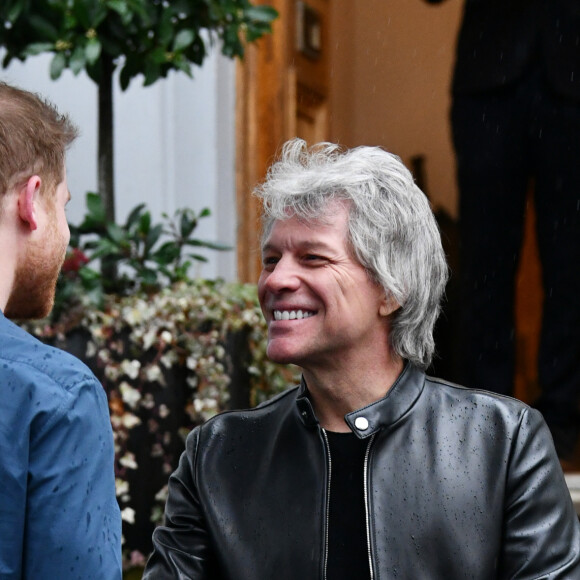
point(263, 123)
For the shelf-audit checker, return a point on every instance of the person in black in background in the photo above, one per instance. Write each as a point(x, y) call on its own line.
point(516, 124)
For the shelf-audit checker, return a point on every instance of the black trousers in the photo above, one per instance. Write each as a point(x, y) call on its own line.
point(506, 141)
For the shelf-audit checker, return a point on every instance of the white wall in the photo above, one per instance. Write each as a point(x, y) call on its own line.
point(174, 145)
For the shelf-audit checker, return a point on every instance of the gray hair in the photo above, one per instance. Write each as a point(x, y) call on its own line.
point(392, 230)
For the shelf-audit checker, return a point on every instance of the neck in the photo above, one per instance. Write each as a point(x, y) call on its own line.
point(334, 395)
point(6, 280)
point(11, 244)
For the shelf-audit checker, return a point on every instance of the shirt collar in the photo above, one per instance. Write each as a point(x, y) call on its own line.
point(381, 414)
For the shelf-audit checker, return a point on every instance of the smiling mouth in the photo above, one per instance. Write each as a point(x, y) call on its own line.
point(292, 314)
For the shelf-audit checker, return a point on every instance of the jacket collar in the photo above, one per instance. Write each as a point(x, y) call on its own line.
point(379, 415)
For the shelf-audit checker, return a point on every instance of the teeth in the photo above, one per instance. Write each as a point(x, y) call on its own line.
point(291, 314)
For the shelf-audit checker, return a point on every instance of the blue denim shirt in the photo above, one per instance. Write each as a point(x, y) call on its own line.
point(59, 517)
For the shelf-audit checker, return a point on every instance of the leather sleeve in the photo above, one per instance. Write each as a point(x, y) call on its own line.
point(182, 547)
point(542, 532)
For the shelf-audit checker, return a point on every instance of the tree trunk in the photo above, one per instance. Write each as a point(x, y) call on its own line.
point(105, 147)
point(105, 172)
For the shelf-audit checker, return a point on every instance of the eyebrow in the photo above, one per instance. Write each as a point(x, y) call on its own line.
point(307, 245)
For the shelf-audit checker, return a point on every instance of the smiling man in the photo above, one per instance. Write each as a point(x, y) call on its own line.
point(368, 469)
point(59, 517)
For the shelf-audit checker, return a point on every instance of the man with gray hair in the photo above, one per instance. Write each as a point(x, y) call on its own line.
point(369, 468)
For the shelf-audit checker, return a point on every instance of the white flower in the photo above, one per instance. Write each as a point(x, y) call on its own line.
point(130, 395)
point(112, 372)
point(169, 359)
point(163, 411)
point(153, 374)
point(128, 515)
point(129, 421)
point(128, 460)
point(166, 337)
point(91, 349)
point(162, 494)
point(204, 405)
point(131, 368)
point(121, 487)
point(148, 401)
point(149, 339)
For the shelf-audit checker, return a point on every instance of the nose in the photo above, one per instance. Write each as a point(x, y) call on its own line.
point(284, 277)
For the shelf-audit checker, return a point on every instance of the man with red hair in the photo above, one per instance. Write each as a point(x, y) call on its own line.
point(58, 512)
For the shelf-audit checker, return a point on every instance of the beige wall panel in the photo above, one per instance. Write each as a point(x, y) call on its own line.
point(390, 72)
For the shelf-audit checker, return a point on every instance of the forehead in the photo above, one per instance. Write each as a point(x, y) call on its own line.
point(329, 229)
point(333, 217)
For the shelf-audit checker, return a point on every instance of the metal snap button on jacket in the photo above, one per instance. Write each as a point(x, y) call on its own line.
point(361, 423)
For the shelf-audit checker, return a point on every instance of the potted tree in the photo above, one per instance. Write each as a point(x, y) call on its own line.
point(147, 38)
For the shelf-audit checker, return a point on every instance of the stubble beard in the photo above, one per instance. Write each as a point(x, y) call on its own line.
point(32, 295)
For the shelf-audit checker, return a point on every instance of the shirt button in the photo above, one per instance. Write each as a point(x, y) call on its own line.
point(361, 423)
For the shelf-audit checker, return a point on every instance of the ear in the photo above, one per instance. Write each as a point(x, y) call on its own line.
point(27, 200)
point(387, 306)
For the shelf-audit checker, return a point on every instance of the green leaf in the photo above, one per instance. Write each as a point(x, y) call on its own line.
point(43, 27)
point(98, 16)
point(14, 12)
point(95, 207)
point(89, 277)
point(121, 8)
point(198, 257)
point(134, 216)
point(38, 48)
point(152, 237)
point(93, 50)
point(81, 12)
point(207, 244)
point(116, 233)
point(152, 73)
point(187, 223)
point(145, 223)
point(167, 253)
point(165, 31)
point(125, 78)
point(183, 39)
point(57, 65)
point(106, 247)
point(159, 55)
point(148, 277)
point(261, 14)
point(77, 60)
point(181, 64)
point(70, 21)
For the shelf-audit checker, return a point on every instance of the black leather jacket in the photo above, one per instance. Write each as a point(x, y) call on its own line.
point(460, 483)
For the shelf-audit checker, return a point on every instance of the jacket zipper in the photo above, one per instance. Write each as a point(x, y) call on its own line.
point(327, 503)
point(367, 506)
point(366, 500)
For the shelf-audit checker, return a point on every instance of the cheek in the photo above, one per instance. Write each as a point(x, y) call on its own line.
point(63, 228)
point(262, 286)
